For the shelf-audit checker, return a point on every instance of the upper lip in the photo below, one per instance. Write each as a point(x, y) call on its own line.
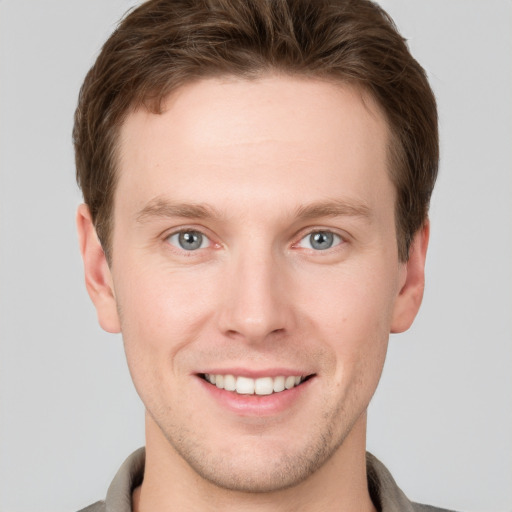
point(256, 374)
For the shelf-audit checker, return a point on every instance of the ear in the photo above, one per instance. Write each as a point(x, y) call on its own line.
point(98, 279)
point(410, 296)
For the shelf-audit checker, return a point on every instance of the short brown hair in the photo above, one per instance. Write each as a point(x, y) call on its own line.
point(164, 44)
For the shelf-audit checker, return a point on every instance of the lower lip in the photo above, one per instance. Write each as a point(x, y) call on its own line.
point(256, 405)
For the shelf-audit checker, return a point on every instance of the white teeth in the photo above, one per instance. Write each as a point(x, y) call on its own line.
point(229, 383)
point(289, 382)
point(264, 386)
point(278, 384)
point(245, 386)
point(248, 386)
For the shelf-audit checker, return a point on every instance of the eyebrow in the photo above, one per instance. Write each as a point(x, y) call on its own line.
point(162, 207)
point(334, 208)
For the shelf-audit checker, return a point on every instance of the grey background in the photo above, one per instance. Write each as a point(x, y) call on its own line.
point(442, 417)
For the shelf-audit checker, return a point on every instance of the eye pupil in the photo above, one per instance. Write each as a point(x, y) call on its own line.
point(321, 240)
point(190, 240)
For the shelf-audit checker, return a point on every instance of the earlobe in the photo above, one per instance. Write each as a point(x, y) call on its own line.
point(410, 296)
point(98, 279)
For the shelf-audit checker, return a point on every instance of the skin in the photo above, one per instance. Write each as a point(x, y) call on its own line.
point(255, 155)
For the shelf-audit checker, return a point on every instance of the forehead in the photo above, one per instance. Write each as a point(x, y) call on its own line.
point(300, 135)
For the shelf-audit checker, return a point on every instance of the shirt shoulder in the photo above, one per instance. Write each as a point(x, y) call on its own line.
point(418, 507)
point(99, 506)
point(386, 495)
point(119, 494)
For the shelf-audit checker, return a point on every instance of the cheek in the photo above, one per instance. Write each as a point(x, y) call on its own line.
point(160, 318)
point(352, 297)
point(162, 301)
point(354, 315)
point(161, 315)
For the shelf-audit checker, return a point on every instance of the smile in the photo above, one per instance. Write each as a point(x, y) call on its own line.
point(260, 386)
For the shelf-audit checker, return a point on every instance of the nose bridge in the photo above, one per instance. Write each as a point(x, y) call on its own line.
point(255, 305)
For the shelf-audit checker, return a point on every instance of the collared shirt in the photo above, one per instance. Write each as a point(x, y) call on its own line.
point(384, 492)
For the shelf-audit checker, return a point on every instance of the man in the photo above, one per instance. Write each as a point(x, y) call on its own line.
point(256, 178)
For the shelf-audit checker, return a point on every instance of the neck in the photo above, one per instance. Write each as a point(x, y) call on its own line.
point(171, 484)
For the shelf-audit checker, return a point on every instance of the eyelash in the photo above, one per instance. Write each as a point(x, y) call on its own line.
point(182, 250)
point(337, 240)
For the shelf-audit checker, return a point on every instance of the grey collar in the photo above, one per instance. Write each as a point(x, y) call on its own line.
point(384, 492)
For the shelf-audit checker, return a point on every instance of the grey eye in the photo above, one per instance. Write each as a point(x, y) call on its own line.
point(320, 240)
point(189, 240)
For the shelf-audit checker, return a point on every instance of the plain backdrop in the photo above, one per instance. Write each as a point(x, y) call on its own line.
point(442, 417)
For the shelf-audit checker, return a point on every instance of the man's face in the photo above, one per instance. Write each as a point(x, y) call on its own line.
point(254, 244)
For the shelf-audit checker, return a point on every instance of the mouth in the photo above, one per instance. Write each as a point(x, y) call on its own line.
point(241, 385)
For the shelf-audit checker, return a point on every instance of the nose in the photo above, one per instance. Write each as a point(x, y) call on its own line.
point(257, 304)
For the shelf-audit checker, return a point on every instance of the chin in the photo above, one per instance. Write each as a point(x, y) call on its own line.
point(257, 465)
point(252, 476)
